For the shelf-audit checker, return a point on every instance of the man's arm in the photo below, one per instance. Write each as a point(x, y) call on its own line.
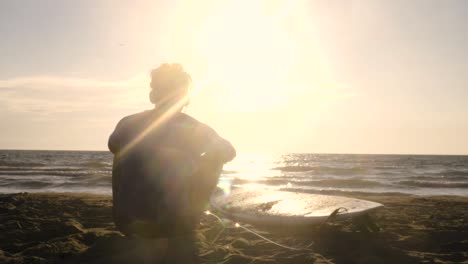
point(114, 140)
point(208, 144)
point(216, 148)
point(221, 150)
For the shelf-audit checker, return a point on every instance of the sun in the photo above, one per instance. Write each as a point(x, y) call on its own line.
point(248, 57)
point(257, 54)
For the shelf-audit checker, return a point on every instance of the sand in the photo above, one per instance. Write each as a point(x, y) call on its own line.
point(78, 228)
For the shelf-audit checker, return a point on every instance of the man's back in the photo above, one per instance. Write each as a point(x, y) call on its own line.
point(159, 174)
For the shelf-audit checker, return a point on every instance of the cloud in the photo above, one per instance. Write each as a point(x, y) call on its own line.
point(48, 95)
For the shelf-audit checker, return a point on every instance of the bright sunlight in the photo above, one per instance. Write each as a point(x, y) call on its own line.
point(254, 55)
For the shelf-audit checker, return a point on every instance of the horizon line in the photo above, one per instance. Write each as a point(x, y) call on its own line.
point(256, 152)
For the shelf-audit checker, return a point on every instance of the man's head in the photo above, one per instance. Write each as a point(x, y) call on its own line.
point(170, 86)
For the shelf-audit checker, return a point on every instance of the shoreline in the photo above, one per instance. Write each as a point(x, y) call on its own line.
point(352, 194)
point(77, 227)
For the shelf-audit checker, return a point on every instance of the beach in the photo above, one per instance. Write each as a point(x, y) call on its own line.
point(278, 114)
point(78, 228)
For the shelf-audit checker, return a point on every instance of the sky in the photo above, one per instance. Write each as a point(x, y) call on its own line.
point(271, 76)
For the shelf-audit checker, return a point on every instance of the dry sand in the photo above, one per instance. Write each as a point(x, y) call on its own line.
point(78, 228)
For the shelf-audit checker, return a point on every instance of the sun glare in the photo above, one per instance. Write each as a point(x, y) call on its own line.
point(248, 56)
point(257, 54)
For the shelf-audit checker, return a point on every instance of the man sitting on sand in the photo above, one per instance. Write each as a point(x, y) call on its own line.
point(166, 163)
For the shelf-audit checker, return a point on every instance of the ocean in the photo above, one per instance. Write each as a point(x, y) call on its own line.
point(90, 172)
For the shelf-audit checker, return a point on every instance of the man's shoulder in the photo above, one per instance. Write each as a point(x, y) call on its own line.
point(190, 121)
point(134, 117)
point(183, 117)
point(197, 127)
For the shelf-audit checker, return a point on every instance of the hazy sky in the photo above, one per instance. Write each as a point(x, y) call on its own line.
point(270, 76)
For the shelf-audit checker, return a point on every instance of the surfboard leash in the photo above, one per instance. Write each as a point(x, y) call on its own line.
point(237, 225)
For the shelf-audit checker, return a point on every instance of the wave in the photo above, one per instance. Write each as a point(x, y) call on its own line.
point(51, 173)
point(294, 168)
point(20, 164)
point(345, 193)
point(100, 178)
point(82, 185)
point(450, 173)
point(323, 170)
point(95, 164)
point(438, 178)
point(46, 178)
point(2, 169)
point(103, 181)
point(335, 183)
point(434, 184)
point(26, 184)
point(345, 183)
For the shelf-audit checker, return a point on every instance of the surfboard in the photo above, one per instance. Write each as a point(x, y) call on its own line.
point(269, 207)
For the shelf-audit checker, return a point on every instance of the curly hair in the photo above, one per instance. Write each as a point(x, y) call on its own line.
point(169, 82)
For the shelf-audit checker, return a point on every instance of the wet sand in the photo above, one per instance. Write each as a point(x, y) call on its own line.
point(78, 228)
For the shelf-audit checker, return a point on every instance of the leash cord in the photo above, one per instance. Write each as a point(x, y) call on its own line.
point(237, 225)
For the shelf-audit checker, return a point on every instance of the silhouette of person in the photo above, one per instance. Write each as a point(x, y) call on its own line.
point(166, 164)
